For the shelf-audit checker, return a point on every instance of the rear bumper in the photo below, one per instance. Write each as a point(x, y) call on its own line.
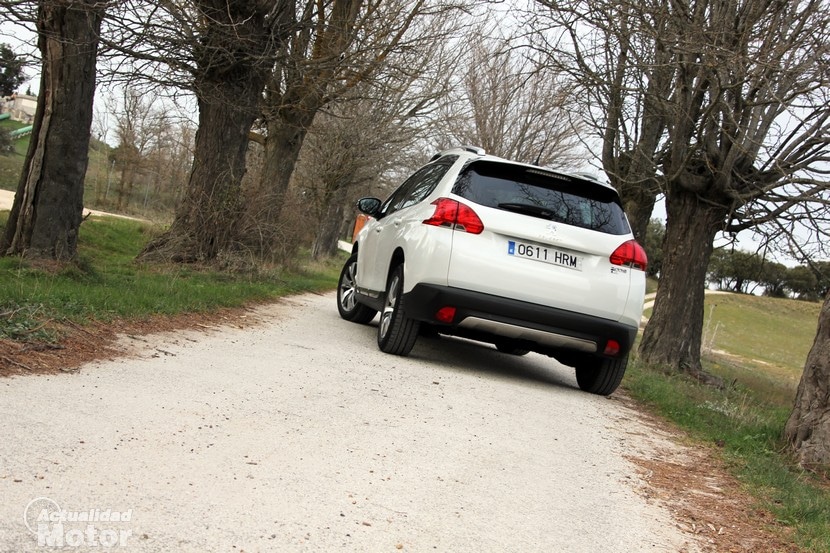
point(541, 328)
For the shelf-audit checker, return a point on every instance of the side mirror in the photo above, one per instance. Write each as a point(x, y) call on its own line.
point(369, 206)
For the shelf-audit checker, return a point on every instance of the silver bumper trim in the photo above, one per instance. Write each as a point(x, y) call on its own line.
point(522, 333)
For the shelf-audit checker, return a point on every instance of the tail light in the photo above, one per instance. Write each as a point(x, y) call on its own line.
point(455, 215)
point(630, 254)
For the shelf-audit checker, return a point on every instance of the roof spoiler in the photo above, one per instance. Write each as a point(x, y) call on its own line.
point(473, 149)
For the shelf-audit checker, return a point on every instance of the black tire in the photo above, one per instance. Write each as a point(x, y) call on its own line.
point(347, 303)
point(396, 332)
point(600, 375)
point(509, 347)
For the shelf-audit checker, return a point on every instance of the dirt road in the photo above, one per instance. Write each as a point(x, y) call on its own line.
point(7, 200)
point(297, 434)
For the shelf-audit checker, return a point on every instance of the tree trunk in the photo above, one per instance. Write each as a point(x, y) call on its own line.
point(328, 233)
point(638, 200)
point(672, 338)
point(48, 205)
point(286, 134)
point(808, 428)
point(208, 217)
point(232, 71)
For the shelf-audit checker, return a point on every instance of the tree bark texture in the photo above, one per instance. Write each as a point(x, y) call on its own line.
point(328, 231)
point(299, 88)
point(286, 135)
point(638, 201)
point(673, 335)
point(48, 206)
point(232, 70)
point(808, 428)
point(207, 219)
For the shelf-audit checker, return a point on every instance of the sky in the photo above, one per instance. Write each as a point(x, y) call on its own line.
point(24, 43)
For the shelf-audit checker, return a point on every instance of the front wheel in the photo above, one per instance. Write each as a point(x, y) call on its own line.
point(396, 331)
point(600, 375)
point(347, 304)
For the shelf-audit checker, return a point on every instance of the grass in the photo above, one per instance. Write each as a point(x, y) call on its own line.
point(105, 283)
point(759, 346)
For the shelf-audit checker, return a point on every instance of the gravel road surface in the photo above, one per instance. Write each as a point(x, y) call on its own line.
point(297, 434)
point(7, 200)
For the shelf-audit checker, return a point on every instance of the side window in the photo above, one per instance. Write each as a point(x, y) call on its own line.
point(419, 185)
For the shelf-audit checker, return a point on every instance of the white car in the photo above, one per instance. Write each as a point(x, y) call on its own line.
point(520, 256)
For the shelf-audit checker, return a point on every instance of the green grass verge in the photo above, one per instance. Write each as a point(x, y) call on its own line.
point(747, 423)
point(105, 283)
point(758, 345)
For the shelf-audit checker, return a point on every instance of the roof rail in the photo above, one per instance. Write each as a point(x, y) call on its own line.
point(473, 149)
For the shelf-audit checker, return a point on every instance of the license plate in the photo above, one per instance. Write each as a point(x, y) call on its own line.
point(544, 254)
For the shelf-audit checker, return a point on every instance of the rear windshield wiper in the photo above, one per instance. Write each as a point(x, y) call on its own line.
point(529, 209)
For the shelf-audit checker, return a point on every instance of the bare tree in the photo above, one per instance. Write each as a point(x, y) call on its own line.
point(136, 127)
point(167, 164)
point(505, 103)
point(362, 141)
point(223, 52)
point(617, 58)
point(356, 143)
point(747, 144)
point(47, 211)
point(312, 52)
point(744, 135)
point(337, 45)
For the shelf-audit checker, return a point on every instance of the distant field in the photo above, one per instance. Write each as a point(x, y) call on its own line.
point(776, 332)
point(760, 342)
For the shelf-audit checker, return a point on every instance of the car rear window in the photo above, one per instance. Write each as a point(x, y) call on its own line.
point(539, 193)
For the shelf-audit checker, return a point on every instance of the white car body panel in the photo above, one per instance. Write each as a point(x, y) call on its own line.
point(443, 256)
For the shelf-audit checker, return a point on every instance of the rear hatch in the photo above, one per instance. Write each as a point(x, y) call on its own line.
point(547, 239)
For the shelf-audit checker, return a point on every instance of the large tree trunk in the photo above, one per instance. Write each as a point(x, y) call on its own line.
point(232, 73)
point(808, 428)
point(672, 337)
point(328, 231)
point(638, 200)
point(48, 205)
point(208, 217)
point(286, 134)
point(304, 83)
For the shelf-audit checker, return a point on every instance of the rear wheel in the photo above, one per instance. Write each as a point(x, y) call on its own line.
point(347, 303)
point(600, 375)
point(396, 332)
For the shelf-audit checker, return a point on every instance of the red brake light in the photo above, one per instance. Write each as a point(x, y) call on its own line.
point(630, 254)
point(455, 215)
point(612, 347)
